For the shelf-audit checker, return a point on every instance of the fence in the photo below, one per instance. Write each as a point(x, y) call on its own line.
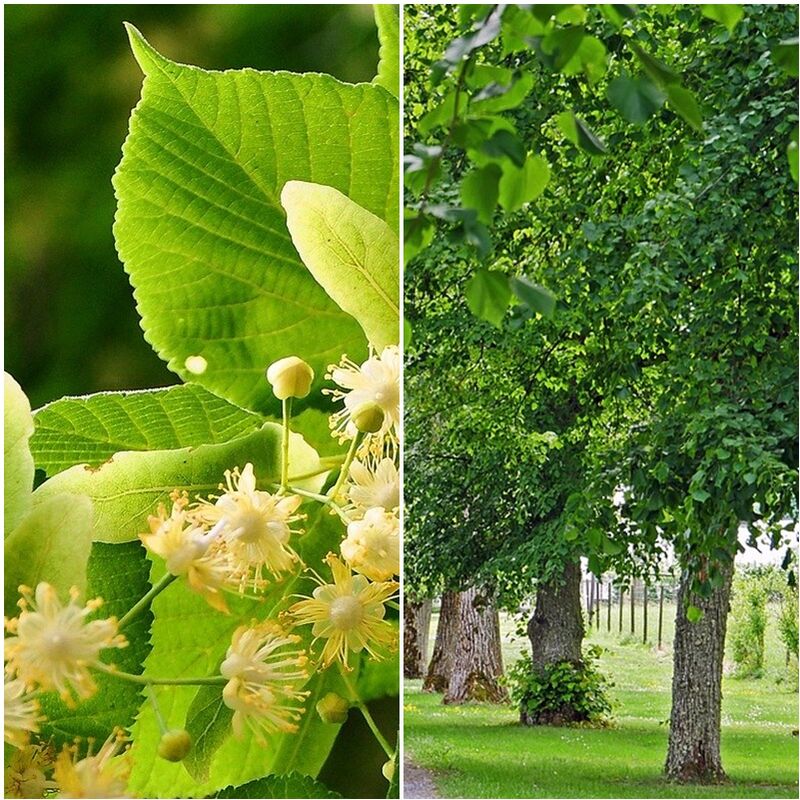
point(608, 604)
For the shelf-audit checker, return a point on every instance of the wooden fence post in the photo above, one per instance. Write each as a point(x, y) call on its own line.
point(633, 607)
point(610, 592)
point(621, 598)
point(660, 614)
point(644, 611)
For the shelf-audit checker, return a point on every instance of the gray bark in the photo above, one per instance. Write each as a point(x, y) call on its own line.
point(438, 674)
point(556, 634)
point(416, 621)
point(698, 650)
point(478, 662)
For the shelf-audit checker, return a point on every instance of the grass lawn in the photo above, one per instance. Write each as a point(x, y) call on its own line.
point(478, 750)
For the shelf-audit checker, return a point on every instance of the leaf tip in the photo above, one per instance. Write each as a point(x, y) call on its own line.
point(147, 57)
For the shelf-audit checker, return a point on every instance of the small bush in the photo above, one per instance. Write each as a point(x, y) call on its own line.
point(561, 694)
point(787, 621)
point(748, 623)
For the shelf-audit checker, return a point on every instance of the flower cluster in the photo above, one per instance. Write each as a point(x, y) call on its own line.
point(231, 548)
point(54, 647)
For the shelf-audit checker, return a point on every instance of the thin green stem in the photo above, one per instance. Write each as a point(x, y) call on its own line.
point(320, 498)
point(365, 713)
point(392, 604)
point(151, 694)
point(287, 415)
point(345, 470)
point(143, 604)
point(146, 680)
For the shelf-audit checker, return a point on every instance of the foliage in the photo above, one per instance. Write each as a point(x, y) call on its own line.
point(223, 293)
point(748, 623)
point(562, 691)
point(787, 621)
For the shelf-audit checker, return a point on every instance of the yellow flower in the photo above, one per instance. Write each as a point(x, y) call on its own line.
point(348, 613)
point(255, 527)
point(104, 774)
point(25, 773)
point(372, 546)
point(264, 670)
point(373, 482)
point(21, 713)
point(189, 550)
point(377, 381)
point(54, 645)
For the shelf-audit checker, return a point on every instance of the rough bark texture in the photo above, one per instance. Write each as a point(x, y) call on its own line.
point(438, 675)
point(556, 634)
point(478, 662)
point(416, 621)
point(698, 650)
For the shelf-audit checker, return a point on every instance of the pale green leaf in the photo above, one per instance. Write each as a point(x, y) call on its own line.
point(199, 224)
point(488, 295)
point(119, 573)
point(129, 487)
point(387, 18)
point(580, 134)
point(354, 255)
point(190, 639)
point(51, 544)
point(17, 459)
point(724, 13)
point(521, 186)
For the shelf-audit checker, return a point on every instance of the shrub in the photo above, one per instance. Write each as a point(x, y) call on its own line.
point(748, 623)
point(562, 693)
point(787, 620)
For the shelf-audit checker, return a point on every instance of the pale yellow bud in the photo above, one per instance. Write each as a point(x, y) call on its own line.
point(290, 377)
point(175, 745)
point(368, 418)
point(333, 708)
point(388, 770)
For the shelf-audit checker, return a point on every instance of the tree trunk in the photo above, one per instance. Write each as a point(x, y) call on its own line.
point(478, 662)
point(438, 675)
point(556, 634)
point(698, 650)
point(416, 621)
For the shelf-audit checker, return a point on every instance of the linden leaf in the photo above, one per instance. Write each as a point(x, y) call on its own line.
point(354, 255)
point(129, 487)
point(200, 229)
point(387, 18)
point(279, 786)
point(17, 459)
point(51, 544)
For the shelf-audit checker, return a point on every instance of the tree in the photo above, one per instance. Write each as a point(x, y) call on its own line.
point(416, 620)
point(437, 677)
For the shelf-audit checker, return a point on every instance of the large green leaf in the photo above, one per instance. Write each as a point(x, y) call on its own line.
point(17, 459)
point(727, 14)
point(89, 430)
point(387, 18)
point(521, 186)
point(51, 544)
point(635, 98)
point(199, 223)
point(119, 574)
point(129, 487)
point(190, 639)
point(354, 255)
point(488, 295)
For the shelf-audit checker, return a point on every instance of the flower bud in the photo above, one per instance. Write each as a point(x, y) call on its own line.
point(333, 708)
point(388, 770)
point(175, 745)
point(368, 418)
point(290, 377)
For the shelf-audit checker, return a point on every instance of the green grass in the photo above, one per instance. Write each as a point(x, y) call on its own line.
point(479, 750)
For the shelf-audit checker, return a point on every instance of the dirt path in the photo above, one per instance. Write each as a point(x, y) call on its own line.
point(417, 782)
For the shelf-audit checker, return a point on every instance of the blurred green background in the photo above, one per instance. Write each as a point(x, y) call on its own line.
point(70, 84)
